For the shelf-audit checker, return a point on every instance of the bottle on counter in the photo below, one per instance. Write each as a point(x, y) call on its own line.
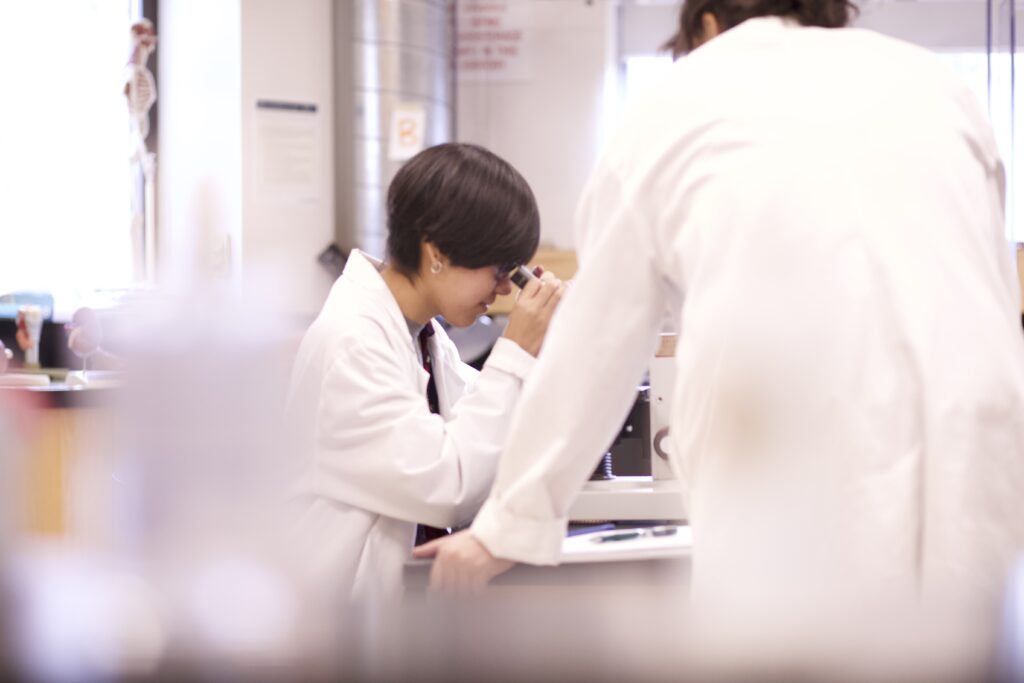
point(30, 329)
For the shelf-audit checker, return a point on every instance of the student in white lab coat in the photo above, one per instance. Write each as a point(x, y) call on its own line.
point(821, 210)
point(386, 446)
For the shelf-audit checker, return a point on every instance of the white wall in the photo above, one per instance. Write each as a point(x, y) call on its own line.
point(953, 25)
point(216, 217)
point(286, 56)
point(548, 125)
point(200, 156)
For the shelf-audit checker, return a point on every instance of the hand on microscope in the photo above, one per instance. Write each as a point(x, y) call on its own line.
point(536, 303)
point(462, 565)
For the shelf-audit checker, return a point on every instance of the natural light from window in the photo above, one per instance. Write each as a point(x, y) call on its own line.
point(64, 173)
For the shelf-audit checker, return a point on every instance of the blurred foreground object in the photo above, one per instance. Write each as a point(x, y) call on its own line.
point(5, 357)
point(161, 554)
point(67, 438)
point(1011, 644)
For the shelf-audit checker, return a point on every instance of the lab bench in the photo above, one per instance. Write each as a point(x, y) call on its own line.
point(633, 563)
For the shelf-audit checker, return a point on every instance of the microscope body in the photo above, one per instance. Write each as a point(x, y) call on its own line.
point(642, 485)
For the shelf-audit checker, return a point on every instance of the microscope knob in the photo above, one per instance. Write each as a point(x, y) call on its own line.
point(659, 437)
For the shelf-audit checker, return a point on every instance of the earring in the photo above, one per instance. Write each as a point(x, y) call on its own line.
point(435, 267)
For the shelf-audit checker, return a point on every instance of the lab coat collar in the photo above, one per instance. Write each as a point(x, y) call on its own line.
point(363, 271)
point(765, 23)
point(752, 29)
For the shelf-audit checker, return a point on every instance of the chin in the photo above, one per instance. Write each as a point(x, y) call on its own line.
point(464, 320)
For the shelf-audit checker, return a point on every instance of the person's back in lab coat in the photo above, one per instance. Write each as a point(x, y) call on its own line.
point(822, 211)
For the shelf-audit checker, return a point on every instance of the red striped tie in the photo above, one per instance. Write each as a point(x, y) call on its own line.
point(426, 533)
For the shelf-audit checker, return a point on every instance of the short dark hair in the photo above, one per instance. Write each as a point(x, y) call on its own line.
point(467, 201)
point(730, 13)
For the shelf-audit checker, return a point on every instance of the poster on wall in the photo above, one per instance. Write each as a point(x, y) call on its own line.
point(493, 41)
point(287, 151)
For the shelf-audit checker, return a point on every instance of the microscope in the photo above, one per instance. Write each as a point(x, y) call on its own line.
point(635, 480)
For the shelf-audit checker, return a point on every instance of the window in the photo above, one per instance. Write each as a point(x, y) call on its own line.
point(644, 71)
point(65, 213)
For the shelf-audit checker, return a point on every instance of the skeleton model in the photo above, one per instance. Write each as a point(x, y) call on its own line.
point(140, 91)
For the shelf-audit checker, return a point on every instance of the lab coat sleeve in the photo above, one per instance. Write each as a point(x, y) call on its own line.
point(580, 393)
point(381, 449)
point(987, 152)
point(506, 356)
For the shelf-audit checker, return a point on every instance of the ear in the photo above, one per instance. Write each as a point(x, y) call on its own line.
point(429, 253)
point(710, 27)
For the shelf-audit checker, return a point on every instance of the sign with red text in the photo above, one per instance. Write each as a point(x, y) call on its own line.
point(492, 40)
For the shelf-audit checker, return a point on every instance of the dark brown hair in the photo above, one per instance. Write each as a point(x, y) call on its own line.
point(468, 202)
point(730, 13)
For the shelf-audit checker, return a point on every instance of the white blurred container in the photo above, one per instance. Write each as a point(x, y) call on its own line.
point(30, 324)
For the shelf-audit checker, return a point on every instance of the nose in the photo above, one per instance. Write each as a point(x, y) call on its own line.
point(504, 286)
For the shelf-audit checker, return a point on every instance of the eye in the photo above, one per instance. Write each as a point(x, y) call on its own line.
point(505, 269)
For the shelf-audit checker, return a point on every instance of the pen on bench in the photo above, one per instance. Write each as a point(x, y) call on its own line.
point(620, 536)
point(657, 531)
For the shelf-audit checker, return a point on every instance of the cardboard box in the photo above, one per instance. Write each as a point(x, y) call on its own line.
point(1020, 274)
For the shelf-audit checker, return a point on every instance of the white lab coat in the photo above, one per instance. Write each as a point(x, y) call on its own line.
point(376, 460)
point(821, 212)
